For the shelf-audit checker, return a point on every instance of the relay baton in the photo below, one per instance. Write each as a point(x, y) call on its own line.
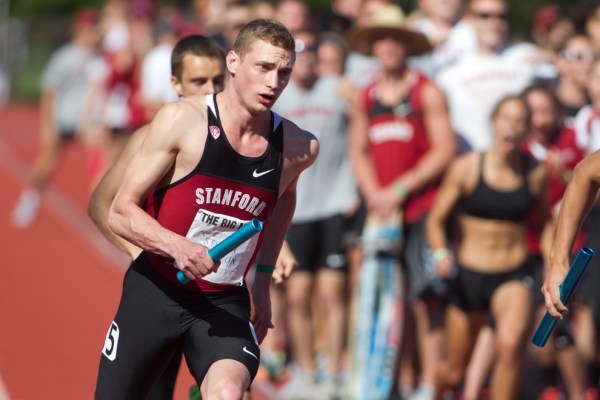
point(566, 289)
point(229, 243)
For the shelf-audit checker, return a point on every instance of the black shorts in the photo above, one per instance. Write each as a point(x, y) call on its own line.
point(472, 291)
point(320, 243)
point(156, 318)
point(67, 135)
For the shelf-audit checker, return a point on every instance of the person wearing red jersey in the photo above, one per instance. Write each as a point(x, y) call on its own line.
point(205, 183)
point(401, 141)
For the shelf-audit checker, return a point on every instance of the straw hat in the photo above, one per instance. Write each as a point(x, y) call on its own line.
point(388, 21)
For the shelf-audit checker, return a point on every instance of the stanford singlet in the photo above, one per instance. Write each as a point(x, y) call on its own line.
point(222, 193)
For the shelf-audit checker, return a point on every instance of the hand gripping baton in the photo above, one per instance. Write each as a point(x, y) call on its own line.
point(229, 243)
point(566, 289)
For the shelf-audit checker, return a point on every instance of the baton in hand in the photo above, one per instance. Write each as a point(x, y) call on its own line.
point(566, 289)
point(228, 244)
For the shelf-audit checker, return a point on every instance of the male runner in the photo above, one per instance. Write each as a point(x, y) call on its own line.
point(204, 184)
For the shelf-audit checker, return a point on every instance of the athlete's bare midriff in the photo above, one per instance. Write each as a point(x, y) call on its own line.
point(491, 245)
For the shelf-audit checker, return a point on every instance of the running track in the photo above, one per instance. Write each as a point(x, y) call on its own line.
point(60, 282)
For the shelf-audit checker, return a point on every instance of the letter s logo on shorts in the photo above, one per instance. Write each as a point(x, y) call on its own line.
point(111, 341)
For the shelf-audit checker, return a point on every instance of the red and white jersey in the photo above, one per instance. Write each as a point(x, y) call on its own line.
point(398, 140)
point(223, 192)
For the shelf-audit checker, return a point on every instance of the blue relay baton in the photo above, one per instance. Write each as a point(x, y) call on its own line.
point(229, 243)
point(566, 289)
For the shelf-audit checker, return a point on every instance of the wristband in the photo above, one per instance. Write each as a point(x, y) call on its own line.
point(400, 190)
point(265, 268)
point(441, 254)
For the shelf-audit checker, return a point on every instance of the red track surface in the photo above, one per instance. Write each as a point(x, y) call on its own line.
point(60, 282)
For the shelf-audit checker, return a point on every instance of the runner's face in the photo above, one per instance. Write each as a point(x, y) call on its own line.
point(200, 75)
point(262, 75)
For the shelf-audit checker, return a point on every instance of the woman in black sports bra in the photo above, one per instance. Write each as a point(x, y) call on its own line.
point(493, 192)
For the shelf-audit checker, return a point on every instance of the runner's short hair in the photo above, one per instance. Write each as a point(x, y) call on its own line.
point(197, 45)
point(267, 30)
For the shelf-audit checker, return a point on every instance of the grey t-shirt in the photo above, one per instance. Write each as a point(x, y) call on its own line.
point(66, 74)
point(327, 188)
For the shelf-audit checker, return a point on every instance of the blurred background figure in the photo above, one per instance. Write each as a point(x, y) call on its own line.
point(293, 14)
point(489, 258)
point(451, 35)
point(332, 52)
point(64, 83)
point(362, 69)
point(326, 199)
point(155, 83)
point(587, 20)
point(478, 79)
point(552, 24)
point(235, 15)
point(573, 63)
point(401, 143)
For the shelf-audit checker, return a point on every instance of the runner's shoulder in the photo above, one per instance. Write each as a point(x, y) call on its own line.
point(299, 145)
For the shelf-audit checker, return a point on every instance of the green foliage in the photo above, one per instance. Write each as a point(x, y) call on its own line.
point(29, 8)
point(26, 80)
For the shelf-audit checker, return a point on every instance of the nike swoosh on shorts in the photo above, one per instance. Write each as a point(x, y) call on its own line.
point(249, 352)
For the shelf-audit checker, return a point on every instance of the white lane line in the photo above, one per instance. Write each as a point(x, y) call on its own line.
point(3, 391)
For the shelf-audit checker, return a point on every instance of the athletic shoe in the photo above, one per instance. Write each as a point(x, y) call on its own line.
point(423, 392)
point(329, 389)
point(27, 208)
point(322, 366)
point(300, 386)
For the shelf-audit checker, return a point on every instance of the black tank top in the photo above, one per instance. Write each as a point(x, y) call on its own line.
point(224, 191)
point(488, 203)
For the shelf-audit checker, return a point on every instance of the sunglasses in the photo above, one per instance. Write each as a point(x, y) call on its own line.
point(572, 55)
point(489, 15)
